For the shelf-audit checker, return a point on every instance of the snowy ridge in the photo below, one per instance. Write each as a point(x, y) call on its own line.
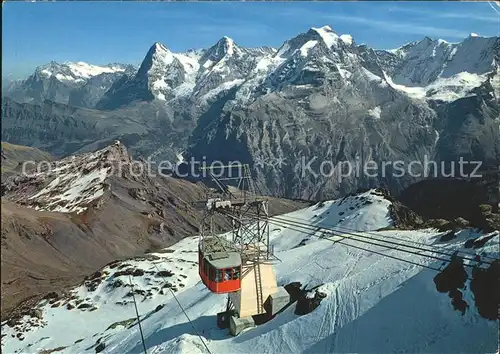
point(70, 185)
point(443, 89)
point(327, 35)
point(426, 69)
point(421, 63)
point(393, 305)
point(86, 71)
point(73, 83)
point(79, 71)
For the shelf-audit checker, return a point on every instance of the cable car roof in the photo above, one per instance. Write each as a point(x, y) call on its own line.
point(220, 252)
point(231, 260)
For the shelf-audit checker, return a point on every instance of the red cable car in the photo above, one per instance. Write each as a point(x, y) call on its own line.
point(219, 265)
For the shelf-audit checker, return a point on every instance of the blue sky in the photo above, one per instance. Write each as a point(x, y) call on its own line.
point(99, 33)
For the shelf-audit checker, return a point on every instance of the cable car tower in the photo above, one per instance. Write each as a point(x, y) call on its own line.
point(238, 262)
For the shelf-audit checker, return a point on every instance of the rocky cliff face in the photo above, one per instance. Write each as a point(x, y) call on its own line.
point(329, 101)
point(422, 63)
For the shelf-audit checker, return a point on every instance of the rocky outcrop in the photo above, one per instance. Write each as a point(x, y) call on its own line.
point(13, 156)
point(308, 304)
point(460, 202)
point(451, 280)
point(486, 297)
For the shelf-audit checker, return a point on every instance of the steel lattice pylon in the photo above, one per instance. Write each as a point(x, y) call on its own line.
point(247, 213)
point(249, 237)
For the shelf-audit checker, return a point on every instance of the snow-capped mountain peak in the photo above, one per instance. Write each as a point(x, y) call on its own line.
point(422, 63)
point(316, 53)
point(75, 83)
point(158, 56)
point(228, 44)
point(225, 47)
point(323, 36)
point(327, 35)
point(159, 46)
point(330, 37)
point(347, 39)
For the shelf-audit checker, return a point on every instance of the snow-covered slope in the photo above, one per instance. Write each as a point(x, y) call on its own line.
point(70, 184)
point(77, 72)
point(423, 62)
point(60, 81)
point(439, 70)
point(443, 89)
point(373, 302)
point(74, 83)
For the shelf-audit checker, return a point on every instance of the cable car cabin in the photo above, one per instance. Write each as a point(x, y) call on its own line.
point(219, 265)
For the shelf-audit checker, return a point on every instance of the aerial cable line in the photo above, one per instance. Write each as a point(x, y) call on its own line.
point(367, 250)
point(371, 238)
point(330, 227)
point(385, 236)
point(409, 241)
point(137, 315)
point(352, 237)
point(434, 250)
point(426, 249)
point(185, 314)
point(314, 230)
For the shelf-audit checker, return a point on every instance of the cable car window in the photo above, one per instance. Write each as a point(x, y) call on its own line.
point(211, 273)
point(205, 266)
point(227, 274)
point(218, 275)
point(236, 273)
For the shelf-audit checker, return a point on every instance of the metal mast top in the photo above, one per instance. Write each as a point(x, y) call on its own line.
point(247, 212)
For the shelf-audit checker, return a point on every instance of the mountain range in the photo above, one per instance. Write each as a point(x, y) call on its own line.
point(319, 96)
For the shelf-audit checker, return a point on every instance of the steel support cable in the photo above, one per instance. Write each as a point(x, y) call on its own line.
point(366, 250)
point(391, 237)
point(314, 230)
point(416, 243)
point(371, 238)
point(385, 236)
point(137, 315)
point(436, 250)
point(426, 249)
point(354, 238)
point(185, 314)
